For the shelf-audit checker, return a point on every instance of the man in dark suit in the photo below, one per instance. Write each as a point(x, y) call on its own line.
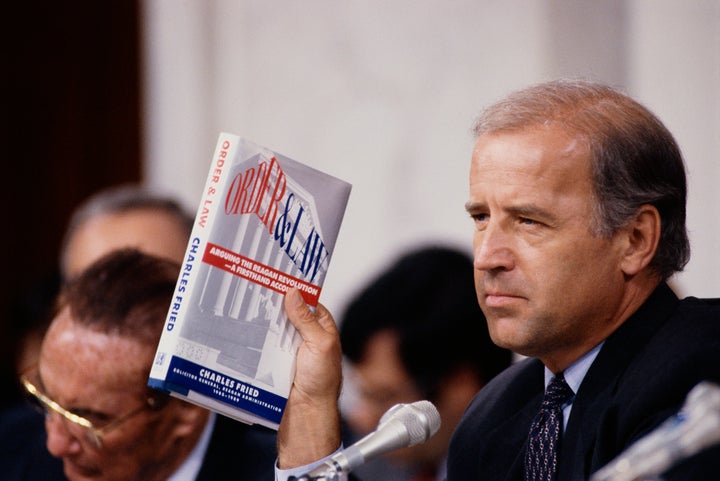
point(102, 420)
point(639, 378)
point(578, 197)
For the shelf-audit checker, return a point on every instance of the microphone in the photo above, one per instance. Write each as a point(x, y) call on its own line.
point(695, 427)
point(401, 426)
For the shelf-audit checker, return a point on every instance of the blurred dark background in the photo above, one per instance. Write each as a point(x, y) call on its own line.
point(72, 126)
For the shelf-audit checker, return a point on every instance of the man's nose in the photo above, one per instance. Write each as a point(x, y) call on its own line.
point(60, 440)
point(492, 249)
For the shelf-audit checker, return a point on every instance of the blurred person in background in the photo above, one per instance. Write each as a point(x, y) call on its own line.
point(416, 332)
point(124, 216)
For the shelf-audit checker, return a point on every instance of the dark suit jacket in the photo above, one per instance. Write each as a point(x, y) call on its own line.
point(236, 452)
point(23, 455)
point(639, 378)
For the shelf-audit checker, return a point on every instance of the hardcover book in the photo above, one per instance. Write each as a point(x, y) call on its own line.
point(265, 223)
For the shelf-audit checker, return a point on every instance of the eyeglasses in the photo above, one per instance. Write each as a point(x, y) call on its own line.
point(80, 426)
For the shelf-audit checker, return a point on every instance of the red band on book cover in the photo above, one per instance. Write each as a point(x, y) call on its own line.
point(258, 272)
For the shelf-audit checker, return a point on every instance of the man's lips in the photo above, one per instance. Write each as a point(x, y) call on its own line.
point(500, 299)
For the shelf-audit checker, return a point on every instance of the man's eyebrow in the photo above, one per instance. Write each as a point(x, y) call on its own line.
point(529, 210)
point(472, 206)
point(521, 210)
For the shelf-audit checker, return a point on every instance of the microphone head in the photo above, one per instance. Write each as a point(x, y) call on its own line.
point(421, 419)
point(403, 425)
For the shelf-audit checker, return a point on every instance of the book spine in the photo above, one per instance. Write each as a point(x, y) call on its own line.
point(210, 204)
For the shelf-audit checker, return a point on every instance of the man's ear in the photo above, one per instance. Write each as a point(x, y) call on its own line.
point(641, 235)
point(187, 416)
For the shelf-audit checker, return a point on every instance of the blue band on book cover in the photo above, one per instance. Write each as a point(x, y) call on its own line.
point(184, 376)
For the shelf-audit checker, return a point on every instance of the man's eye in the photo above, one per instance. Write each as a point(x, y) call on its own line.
point(96, 418)
point(526, 221)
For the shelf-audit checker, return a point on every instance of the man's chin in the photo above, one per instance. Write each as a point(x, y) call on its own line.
point(504, 330)
point(75, 472)
point(513, 341)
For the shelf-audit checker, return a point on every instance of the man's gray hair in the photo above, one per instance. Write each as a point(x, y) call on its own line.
point(635, 159)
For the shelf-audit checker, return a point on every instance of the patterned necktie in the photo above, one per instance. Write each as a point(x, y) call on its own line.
point(542, 450)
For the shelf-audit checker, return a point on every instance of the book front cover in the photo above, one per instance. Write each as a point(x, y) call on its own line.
point(274, 227)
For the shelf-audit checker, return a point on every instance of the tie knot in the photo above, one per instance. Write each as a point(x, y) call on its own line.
point(558, 392)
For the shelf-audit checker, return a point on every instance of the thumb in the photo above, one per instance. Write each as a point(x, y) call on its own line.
point(311, 324)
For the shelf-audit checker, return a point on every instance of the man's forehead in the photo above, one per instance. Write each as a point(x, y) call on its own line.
point(508, 157)
point(92, 350)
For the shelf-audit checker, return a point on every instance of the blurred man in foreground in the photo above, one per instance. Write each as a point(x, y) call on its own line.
point(91, 379)
point(126, 215)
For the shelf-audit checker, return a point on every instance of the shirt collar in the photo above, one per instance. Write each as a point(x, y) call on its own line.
point(575, 373)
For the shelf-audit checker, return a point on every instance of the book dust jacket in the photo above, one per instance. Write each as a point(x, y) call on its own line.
point(265, 223)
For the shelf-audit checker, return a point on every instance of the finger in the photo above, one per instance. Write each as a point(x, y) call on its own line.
point(309, 323)
point(325, 319)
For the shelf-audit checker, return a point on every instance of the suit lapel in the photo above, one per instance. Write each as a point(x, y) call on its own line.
point(513, 431)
